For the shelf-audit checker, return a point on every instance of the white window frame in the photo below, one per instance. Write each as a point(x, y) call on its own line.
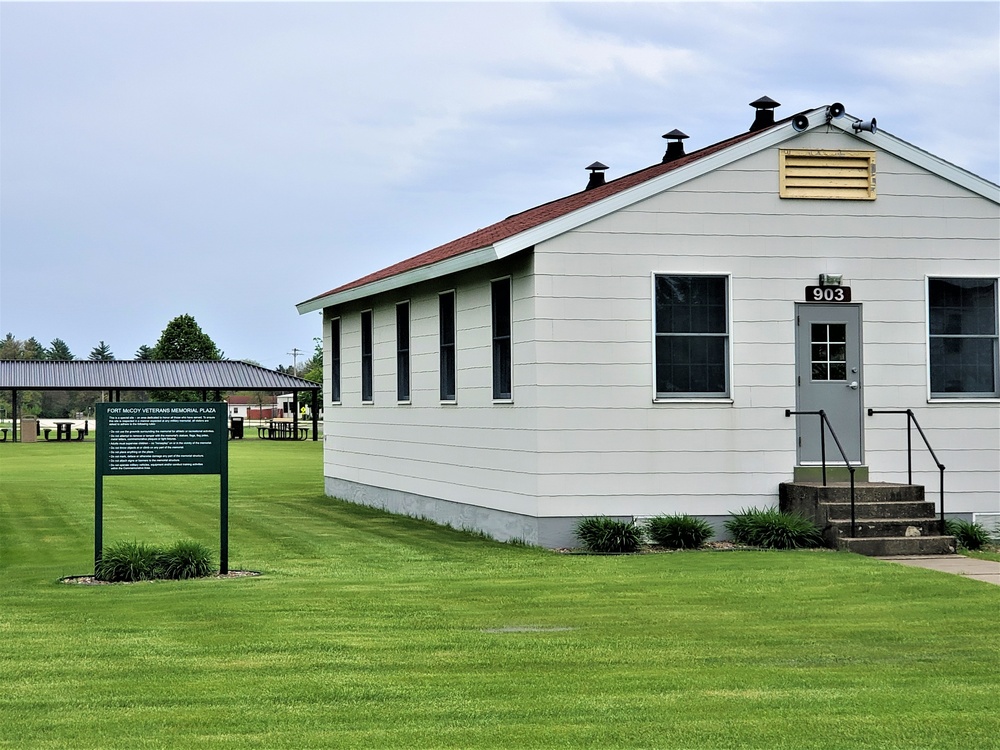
point(336, 347)
point(371, 318)
point(454, 322)
point(722, 398)
point(933, 398)
point(409, 352)
point(510, 308)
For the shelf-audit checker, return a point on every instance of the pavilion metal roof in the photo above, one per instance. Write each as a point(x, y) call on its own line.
point(221, 375)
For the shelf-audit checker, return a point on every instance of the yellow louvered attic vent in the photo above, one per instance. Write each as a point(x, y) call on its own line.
point(811, 173)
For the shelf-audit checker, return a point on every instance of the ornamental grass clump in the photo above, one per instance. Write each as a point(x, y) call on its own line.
point(679, 531)
point(186, 559)
point(773, 529)
point(971, 536)
point(126, 562)
point(608, 535)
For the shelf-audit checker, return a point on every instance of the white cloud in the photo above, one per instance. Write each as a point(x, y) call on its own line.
point(305, 144)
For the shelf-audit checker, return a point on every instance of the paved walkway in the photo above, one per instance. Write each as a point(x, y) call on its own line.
point(981, 570)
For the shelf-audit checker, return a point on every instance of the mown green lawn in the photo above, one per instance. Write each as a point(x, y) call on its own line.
point(374, 631)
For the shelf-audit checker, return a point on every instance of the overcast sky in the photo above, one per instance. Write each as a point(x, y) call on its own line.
point(230, 160)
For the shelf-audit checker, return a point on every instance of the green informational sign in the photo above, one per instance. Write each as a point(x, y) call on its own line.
point(162, 438)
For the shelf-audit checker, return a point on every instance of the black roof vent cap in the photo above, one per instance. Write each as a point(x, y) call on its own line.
point(675, 147)
point(596, 175)
point(764, 117)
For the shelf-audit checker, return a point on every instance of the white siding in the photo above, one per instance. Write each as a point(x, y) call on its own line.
point(594, 323)
point(473, 451)
point(583, 435)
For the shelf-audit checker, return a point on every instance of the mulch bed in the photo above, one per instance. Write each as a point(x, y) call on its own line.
point(716, 546)
point(91, 581)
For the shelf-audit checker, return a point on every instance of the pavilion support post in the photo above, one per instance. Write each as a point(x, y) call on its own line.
point(315, 414)
point(13, 421)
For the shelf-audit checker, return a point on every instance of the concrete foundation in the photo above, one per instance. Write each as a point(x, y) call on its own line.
point(551, 532)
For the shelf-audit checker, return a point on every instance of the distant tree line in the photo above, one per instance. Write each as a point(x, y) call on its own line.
point(182, 339)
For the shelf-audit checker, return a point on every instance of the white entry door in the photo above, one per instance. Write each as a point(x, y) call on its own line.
point(829, 377)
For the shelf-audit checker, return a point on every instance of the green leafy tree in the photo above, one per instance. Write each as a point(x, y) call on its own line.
point(101, 353)
point(29, 402)
point(64, 403)
point(313, 369)
point(184, 339)
point(59, 350)
point(144, 353)
point(33, 349)
point(11, 348)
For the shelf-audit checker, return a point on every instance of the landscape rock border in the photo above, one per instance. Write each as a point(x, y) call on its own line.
point(89, 580)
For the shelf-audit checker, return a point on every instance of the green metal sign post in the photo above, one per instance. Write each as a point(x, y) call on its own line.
point(162, 438)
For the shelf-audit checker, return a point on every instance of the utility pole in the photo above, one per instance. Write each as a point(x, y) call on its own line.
point(295, 360)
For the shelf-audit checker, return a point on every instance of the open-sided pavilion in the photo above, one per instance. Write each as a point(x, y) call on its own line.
point(115, 376)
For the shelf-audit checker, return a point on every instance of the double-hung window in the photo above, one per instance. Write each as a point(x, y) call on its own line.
point(335, 360)
point(501, 339)
point(962, 327)
point(403, 351)
point(692, 336)
point(446, 345)
point(367, 374)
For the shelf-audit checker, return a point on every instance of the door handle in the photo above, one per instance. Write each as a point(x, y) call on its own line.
point(853, 385)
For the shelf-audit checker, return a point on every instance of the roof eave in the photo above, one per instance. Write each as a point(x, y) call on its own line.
point(765, 139)
point(518, 242)
point(934, 164)
point(463, 262)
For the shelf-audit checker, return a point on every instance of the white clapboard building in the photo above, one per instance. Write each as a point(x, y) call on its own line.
point(633, 349)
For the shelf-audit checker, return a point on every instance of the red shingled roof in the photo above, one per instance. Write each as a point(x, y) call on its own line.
point(534, 217)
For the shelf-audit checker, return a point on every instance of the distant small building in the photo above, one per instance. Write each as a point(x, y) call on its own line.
point(285, 405)
point(255, 406)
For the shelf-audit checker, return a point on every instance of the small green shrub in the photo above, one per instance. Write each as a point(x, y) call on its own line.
point(185, 559)
point(773, 529)
point(679, 531)
point(608, 535)
point(970, 535)
point(126, 562)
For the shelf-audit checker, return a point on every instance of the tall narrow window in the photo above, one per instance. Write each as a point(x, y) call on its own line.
point(367, 335)
point(446, 317)
point(335, 360)
point(692, 336)
point(501, 340)
point(403, 351)
point(962, 315)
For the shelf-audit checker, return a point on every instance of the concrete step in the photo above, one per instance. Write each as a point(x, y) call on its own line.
point(898, 546)
point(839, 511)
point(886, 527)
point(871, 492)
point(834, 473)
point(884, 514)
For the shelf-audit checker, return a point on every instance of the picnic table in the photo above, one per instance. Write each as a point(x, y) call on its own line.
point(64, 431)
point(281, 430)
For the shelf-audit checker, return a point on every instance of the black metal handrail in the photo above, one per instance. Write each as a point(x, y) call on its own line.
point(824, 425)
point(911, 419)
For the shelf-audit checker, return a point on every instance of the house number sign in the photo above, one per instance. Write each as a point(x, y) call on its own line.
point(828, 294)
